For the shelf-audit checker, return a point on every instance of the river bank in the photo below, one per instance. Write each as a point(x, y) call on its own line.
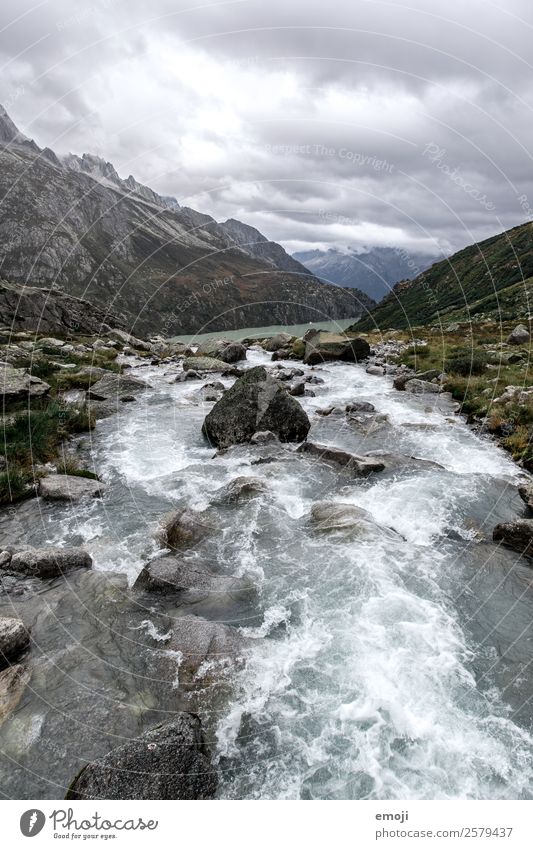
point(384, 657)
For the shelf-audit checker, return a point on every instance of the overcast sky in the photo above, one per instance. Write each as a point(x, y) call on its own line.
point(323, 123)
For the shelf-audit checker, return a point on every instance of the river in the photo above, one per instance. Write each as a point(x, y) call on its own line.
point(389, 665)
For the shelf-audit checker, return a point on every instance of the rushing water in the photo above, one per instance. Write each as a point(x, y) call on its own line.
point(390, 664)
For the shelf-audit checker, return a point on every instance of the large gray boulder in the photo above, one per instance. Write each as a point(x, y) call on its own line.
point(359, 466)
point(526, 494)
point(49, 562)
point(519, 336)
point(255, 402)
point(184, 527)
point(16, 384)
point(328, 516)
point(14, 640)
point(241, 488)
point(170, 574)
point(128, 339)
point(321, 346)
point(517, 535)
point(226, 350)
point(69, 488)
point(13, 682)
point(275, 343)
point(114, 386)
point(208, 364)
point(420, 387)
point(208, 647)
point(170, 761)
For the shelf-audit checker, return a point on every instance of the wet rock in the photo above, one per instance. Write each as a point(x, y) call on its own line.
point(280, 340)
point(360, 407)
point(330, 515)
point(359, 466)
point(170, 574)
point(48, 562)
point(13, 682)
point(114, 386)
point(241, 488)
point(314, 379)
point(263, 437)
point(518, 336)
point(185, 527)
point(287, 374)
point(517, 535)
point(323, 347)
point(297, 390)
point(211, 391)
point(16, 384)
point(206, 648)
point(401, 379)
point(222, 349)
point(420, 387)
point(378, 371)
point(281, 354)
point(526, 494)
point(402, 461)
point(200, 364)
point(190, 374)
point(14, 640)
point(69, 488)
point(170, 761)
point(255, 402)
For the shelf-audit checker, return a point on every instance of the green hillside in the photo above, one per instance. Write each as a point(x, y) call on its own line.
point(492, 279)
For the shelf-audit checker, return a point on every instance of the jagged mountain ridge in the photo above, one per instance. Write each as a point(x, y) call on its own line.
point(374, 270)
point(166, 268)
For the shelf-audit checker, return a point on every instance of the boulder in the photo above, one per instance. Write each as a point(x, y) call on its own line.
point(517, 535)
point(401, 379)
point(396, 462)
point(170, 761)
point(297, 390)
point(170, 574)
point(14, 640)
point(226, 350)
point(420, 387)
point(378, 371)
point(16, 384)
point(518, 336)
point(330, 515)
point(359, 466)
point(321, 346)
point(240, 488)
point(206, 644)
point(69, 488)
point(526, 494)
point(280, 340)
point(255, 402)
point(360, 407)
point(204, 364)
point(113, 386)
point(48, 562)
point(184, 527)
point(211, 391)
point(13, 682)
point(128, 339)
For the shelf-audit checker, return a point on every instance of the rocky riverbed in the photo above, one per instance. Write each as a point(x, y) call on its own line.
point(284, 581)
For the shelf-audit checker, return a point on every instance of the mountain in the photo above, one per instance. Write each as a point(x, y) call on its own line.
point(372, 270)
point(492, 279)
point(73, 222)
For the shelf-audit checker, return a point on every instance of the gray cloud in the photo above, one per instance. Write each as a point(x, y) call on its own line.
point(321, 124)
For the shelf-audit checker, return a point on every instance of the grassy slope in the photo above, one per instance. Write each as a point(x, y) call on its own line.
point(491, 279)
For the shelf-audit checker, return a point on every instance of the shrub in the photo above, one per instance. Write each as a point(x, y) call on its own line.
point(466, 363)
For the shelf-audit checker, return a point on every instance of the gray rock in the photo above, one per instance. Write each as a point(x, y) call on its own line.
point(360, 407)
point(222, 349)
point(517, 535)
point(420, 387)
point(280, 340)
point(240, 488)
point(14, 640)
point(359, 466)
point(13, 682)
point(170, 574)
point(128, 339)
point(297, 390)
point(526, 494)
point(323, 347)
point(203, 642)
point(183, 528)
point(170, 761)
point(204, 364)
point(16, 384)
point(378, 371)
point(255, 402)
point(49, 562)
point(114, 386)
point(69, 488)
point(401, 461)
point(401, 379)
point(518, 336)
point(263, 437)
point(330, 515)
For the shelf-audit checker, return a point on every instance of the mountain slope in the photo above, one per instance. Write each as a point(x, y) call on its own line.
point(167, 269)
point(373, 271)
point(489, 279)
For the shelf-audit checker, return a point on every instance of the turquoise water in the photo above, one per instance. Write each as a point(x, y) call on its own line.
point(293, 329)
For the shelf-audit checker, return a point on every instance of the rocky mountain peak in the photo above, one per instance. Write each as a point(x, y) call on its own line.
point(9, 132)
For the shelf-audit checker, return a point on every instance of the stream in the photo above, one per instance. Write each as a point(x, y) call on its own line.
point(393, 665)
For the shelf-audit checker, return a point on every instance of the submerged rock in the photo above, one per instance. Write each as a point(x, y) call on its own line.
point(517, 535)
point(170, 574)
point(321, 346)
point(206, 648)
point(48, 562)
point(255, 402)
point(185, 527)
point(359, 466)
point(360, 407)
point(14, 640)
point(330, 515)
point(240, 488)
point(170, 761)
point(69, 488)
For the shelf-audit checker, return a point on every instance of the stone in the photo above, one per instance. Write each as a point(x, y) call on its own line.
point(378, 371)
point(263, 437)
point(330, 515)
point(128, 339)
point(280, 340)
point(226, 350)
point(16, 384)
point(420, 387)
point(183, 528)
point(13, 682)
point(401, 379)
point(114, 386)
point(360, 407)
point(69, 488)
point(518, 336)
point(359, 466)
point(517, 535)
point(170, 761)
point(255, 402)
point(49, 562)
point(201, 643)
point(170, 574)
point(526, 494)
point(200, 364)
point(240, 488)
point(297, 390)
point(324, 347)
point(14, 640)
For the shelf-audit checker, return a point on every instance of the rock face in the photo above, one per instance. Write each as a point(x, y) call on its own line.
point(17, 385)
point(170, 574)
point(359, 466)
point(69, 488)
point(255, 402)
point(168, 762)
point(321, 347)
point(225, 350)
point(184, 527)
point(14, 640)
point(49, 562)
point(517, 535)
point(518, 336)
